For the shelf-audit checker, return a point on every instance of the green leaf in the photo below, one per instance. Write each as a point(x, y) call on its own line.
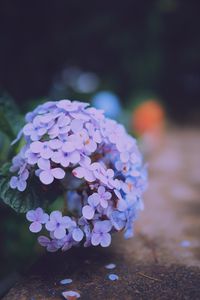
point(34, 196)
point(10, 118)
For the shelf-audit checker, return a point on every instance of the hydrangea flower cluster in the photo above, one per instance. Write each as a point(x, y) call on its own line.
point(97, 164)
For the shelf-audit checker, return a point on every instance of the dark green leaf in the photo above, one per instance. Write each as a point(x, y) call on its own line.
point(10, 118)
point(34, 196)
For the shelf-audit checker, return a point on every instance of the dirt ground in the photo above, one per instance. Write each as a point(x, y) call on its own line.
point(162, 261)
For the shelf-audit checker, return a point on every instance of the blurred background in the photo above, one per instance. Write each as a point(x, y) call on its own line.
point(137, 60)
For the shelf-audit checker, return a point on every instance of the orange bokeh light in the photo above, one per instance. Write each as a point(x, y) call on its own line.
point(148, 117)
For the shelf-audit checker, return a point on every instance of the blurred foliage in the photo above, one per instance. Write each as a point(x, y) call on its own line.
point(10, 119)
point(133, 46)
point(16, 244)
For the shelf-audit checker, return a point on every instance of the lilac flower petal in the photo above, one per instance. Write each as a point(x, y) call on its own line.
point(28, 128)
point(121, 205)
point(63, 120)
point(104, 226)
point(89, 176)
point(43, 164)
point(118, 219)
point(88, 212)
point(55, 144)
point(21, 185)
point(77, 234)
point(35, 227)
point(46, 152)
point(36, 147)
point(51, 225)
point(52, 247)
point(44, 218)
point(57, 157)
point(30, 215)
point(78, 172)
point(104, 203)
point(68, 147)
point(76, 125)
point(59, 233)
point(74, 157)
point(107, 195)
point(19, 135)
point(56, 215)
point(94, 199)
point(128, 233)
point(32, 158)
point(24, 174)
point(105, 240)
point(101, 190)
point(13, 182)
point(58, 173)
point(80, 116)
point(38, 213)
point(96, 239)
point(124, 157)
point(46, 177)
point(43, 240)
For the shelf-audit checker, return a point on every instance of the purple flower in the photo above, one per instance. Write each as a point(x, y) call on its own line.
point(18, 183)
point(61, 126)
point(18, 137)
point(80, 116)
point(42, 148)
point(118, 219)
point(82, 141)
point(86, 170)
point(51, 245)
point(107, 177)
point(58, 224)
point(68, 106)
point(86, 228)
point(77, 233)
point(100, 233)
point(68, 242)
point(18, 161)
point(65, 158)
point(89, 210)
point(121, 203)
point(93, 132)
point(98, 164)
point(76, 125)
point(37, 217)
point(34, 130)
point(96, 114)
point(47, 174)
point(129, 185)
point(104, 196)
point(123, 167)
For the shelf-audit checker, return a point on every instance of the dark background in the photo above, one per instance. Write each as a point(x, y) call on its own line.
point(135, 47)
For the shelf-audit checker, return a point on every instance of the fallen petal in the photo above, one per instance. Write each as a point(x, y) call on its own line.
point(66, 281)
point(71, 295)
